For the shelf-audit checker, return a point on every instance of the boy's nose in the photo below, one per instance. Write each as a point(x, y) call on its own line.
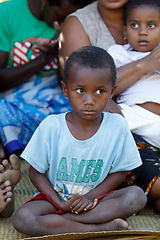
point(89, 100)
point(142, 31)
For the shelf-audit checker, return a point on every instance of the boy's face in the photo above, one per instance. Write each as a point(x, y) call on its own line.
point(88, 91)
point(143, 28)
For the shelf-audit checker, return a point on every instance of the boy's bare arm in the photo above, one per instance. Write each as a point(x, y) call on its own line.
point(89, 201)
point(42, 184)
point(110, 183)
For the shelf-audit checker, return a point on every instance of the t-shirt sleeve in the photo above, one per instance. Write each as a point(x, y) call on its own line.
point(38, 151)
point(127, 157)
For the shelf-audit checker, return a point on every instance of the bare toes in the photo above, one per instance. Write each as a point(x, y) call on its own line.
point(15, 162)
point(1, 178)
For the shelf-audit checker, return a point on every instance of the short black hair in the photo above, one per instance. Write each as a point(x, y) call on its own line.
point(90, 57)
point(79, 3)
point(136, 3)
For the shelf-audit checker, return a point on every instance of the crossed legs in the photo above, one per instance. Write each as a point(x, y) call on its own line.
point(37, 217)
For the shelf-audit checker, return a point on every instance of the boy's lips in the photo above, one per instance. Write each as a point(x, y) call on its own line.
point(143, 42)
point(88, 111)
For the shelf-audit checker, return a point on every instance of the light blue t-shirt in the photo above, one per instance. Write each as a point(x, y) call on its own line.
point(73, 165)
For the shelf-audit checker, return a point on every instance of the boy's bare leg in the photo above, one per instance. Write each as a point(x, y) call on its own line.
point(37, 218)
point(11, 170)
point(120, 204)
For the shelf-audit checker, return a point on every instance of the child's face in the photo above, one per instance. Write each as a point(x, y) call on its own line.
point(88, 91)
point(143, 28)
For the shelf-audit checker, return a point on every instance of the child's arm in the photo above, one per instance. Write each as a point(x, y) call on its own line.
point(42, 184)
point(89, 201)
point(130, 73)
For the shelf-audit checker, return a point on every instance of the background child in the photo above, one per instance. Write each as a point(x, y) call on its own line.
point(79, 157)
point(141, 102)
point(9, 177)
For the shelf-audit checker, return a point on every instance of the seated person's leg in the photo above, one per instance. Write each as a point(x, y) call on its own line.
point(147, 175)
point(39, 216)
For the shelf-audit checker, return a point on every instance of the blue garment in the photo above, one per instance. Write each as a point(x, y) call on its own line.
point(22, 111)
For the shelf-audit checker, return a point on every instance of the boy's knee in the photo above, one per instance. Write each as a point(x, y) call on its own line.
point(22, 218)
point(136, 197)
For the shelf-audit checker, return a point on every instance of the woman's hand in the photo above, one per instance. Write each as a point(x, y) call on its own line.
point(48, 49)
point(113, 107)
point(152, 61)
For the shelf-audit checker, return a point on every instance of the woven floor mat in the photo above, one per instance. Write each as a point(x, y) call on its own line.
point(145, 223)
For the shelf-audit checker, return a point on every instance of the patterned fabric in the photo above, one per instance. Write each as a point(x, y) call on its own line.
point(24, 107)
point(145, 175)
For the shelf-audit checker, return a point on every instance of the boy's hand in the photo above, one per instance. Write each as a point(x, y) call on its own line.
point(82, 203)
point(66, 206)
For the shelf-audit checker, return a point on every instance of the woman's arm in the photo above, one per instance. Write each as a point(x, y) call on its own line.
point(15, 76)
point(72, 37)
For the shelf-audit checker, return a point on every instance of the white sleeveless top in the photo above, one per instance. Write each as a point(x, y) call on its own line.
point(97, 31)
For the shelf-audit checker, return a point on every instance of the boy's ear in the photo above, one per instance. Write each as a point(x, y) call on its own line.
point(125, 34)
point(64, 87)
point(113, 90)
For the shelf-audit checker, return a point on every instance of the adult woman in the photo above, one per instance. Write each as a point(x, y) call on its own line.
point(101, 24)
point(29, 89)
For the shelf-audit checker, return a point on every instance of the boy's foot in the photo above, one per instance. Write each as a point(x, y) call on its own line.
point(11, 170)
point(2, 152)
point(5, 193)
point(117, 224)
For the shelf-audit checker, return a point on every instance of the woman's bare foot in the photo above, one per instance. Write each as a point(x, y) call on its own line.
point(5, 193)
point(11, 170)
point(2, 152)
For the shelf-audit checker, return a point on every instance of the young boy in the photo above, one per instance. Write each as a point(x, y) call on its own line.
point(140, 102)
point(79, 157)
point(9, 177)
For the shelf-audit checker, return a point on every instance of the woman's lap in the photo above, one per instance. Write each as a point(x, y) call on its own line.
point(149, 171)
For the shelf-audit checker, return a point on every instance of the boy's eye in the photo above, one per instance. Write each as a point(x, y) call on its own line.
point(80, 90)
point(151, 25)
point(134, 25)
point(99, 91)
